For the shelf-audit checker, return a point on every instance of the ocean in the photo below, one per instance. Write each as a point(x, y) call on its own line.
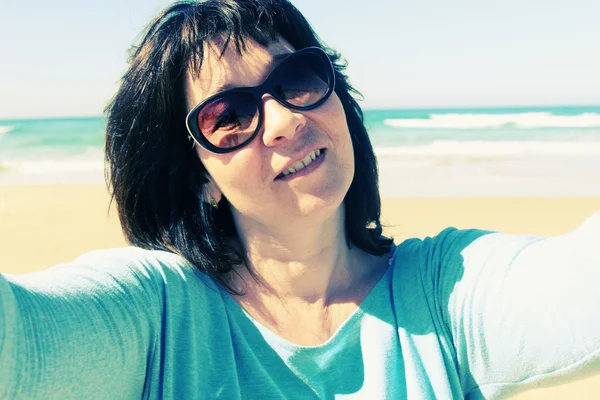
point(517, 151)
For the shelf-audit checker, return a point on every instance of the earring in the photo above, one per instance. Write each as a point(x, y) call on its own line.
point(214, 203)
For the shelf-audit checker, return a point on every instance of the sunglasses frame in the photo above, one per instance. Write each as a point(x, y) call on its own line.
point(257, 93)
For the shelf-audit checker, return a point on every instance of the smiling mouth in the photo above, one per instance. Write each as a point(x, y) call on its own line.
point(300, 165)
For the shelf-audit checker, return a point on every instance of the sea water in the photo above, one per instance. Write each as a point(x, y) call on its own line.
point(61, 150)
point(518, 151)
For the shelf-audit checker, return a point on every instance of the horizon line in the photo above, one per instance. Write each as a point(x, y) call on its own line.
point(368, 108)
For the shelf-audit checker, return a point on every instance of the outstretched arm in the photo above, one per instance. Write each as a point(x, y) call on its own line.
point(526, 309)
point(80, 330)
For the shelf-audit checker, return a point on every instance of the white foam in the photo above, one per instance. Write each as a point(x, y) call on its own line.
point(489, 148)
point(54, 167)
point(5, 129)
point(51, 171)
point(483, 121)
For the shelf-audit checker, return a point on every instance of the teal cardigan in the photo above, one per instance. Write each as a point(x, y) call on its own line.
point(465, 314)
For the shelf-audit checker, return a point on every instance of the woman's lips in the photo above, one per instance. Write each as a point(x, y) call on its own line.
point(306, 169)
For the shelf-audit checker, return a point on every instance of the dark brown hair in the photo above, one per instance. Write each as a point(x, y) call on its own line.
point(152, 168)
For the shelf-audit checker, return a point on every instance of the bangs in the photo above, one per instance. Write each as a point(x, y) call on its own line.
point(227, 27)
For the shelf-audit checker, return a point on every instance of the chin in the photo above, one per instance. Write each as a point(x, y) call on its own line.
point(325, 202)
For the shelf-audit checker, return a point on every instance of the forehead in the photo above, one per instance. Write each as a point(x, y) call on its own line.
point(232, 69)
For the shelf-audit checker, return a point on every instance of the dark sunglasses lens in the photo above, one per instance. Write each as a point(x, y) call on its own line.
point(230, 120)
point(303, 80)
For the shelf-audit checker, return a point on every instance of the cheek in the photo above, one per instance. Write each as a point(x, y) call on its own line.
point(334, 116)
point(231, 172)
point(216, 166)
point(334, 121)
point(338, 126)
point(333, 106)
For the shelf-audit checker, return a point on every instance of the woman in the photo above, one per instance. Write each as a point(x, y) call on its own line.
point(244, 175)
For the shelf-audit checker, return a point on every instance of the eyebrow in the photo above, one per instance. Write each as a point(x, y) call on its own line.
point(277, 58)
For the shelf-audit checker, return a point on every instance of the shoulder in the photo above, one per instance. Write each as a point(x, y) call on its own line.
point(128, 260)
point(428, 252)
point(461, 263)
point(428, 272)
point(434, 265)
point(119, 270)
point(453, 245)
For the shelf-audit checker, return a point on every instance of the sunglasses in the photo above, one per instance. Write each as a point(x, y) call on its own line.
point(230, 119)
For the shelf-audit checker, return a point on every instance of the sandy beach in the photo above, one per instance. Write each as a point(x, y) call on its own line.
point(43, 225)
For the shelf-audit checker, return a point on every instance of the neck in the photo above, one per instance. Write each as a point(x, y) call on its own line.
point(310, 262)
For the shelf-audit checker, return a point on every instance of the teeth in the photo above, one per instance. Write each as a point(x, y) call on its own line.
point(303, 163)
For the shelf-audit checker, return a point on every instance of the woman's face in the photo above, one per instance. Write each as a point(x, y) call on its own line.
point(251, 178)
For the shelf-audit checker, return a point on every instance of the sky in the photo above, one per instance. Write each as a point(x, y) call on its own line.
point(65, 57)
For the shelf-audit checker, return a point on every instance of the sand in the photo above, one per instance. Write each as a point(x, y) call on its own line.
point(41, 226)
point(45, 225)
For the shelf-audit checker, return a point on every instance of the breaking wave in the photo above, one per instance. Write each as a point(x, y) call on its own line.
point(487, 148)
point(530, 120)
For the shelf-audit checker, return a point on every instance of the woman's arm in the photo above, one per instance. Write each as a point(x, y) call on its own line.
point(523, 310)
point(81, 330)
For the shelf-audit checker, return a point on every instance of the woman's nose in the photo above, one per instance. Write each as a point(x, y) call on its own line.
point(280, 123)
